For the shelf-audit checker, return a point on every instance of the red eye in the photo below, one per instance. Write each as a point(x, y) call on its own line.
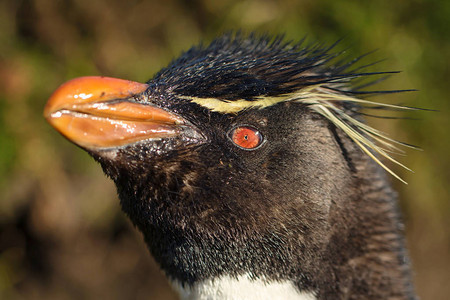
point(246, 137)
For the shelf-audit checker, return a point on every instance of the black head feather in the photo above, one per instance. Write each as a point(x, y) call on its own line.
point(236, 66)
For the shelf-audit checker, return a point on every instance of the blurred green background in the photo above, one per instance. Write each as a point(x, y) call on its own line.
point(62, 234)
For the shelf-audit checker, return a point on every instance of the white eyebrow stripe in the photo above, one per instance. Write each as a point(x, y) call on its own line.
point(324, 102)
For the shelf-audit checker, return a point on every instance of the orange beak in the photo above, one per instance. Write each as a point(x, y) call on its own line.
point(102, 112)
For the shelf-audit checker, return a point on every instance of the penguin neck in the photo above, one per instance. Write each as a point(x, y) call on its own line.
point(366, 256)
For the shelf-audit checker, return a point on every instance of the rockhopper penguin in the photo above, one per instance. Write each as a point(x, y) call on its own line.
point(249, 170)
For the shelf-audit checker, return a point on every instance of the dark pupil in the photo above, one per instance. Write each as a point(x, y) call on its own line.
point(245, 137)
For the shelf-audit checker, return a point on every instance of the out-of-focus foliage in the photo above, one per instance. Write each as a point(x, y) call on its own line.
point(62, 235)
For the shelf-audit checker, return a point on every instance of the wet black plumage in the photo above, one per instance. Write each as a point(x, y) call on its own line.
point(306, 206)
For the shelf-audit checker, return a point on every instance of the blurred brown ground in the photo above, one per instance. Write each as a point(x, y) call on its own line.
point(62, 234)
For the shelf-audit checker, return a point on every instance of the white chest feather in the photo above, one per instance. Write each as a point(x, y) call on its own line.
point(228, 288)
